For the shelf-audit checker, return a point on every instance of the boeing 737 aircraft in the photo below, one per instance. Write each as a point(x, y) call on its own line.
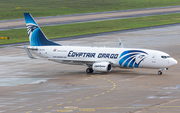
point(99, 59)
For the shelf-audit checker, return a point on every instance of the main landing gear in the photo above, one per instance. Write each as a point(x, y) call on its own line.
point(160, 71)
point(89, 70)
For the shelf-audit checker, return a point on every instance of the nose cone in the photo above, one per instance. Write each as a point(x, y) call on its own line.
point(173, 62)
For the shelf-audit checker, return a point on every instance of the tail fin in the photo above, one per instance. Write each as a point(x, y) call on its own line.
point(36, 36)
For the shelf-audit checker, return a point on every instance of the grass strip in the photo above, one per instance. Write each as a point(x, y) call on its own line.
point(20, 35)
point(13, 9)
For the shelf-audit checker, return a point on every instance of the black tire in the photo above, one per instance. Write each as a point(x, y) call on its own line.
point(89, 70)
point(159, 73)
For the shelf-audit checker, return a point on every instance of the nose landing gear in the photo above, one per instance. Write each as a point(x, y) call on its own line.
point(160, 71)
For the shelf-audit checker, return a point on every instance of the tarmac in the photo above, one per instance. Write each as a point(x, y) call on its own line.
point(41, 86)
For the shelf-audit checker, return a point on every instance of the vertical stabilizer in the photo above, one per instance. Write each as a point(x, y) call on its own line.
point(36, 36)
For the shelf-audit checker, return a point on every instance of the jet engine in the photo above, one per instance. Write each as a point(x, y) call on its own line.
point(102, 67)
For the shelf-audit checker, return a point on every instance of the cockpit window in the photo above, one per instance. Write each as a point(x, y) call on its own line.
point(165, 57)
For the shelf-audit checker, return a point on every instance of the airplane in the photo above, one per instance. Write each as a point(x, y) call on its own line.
point(97, 59)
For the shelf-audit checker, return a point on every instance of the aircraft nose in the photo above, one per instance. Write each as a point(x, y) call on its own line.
point(173, 62)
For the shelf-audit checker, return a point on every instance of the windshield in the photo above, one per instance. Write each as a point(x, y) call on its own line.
point(165, 57)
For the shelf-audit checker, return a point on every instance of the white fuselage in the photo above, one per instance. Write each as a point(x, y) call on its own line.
point(119, 57)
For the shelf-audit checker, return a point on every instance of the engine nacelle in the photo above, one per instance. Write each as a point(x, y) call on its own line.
point(102, 67)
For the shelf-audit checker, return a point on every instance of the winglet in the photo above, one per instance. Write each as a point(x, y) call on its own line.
point(120, 43)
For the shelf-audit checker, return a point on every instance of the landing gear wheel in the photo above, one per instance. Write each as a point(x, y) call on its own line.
point(89, 70)
point(159, 73)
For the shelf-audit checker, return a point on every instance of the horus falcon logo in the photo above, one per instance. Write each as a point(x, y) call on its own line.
point(132, 58)
point(30, 28)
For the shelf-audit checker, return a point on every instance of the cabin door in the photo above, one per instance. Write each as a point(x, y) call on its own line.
point(154, 58)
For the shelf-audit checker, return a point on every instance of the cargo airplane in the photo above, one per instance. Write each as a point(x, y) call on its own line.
point(99, 59)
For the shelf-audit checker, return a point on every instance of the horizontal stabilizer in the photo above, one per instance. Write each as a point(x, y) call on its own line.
point(28, 53)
